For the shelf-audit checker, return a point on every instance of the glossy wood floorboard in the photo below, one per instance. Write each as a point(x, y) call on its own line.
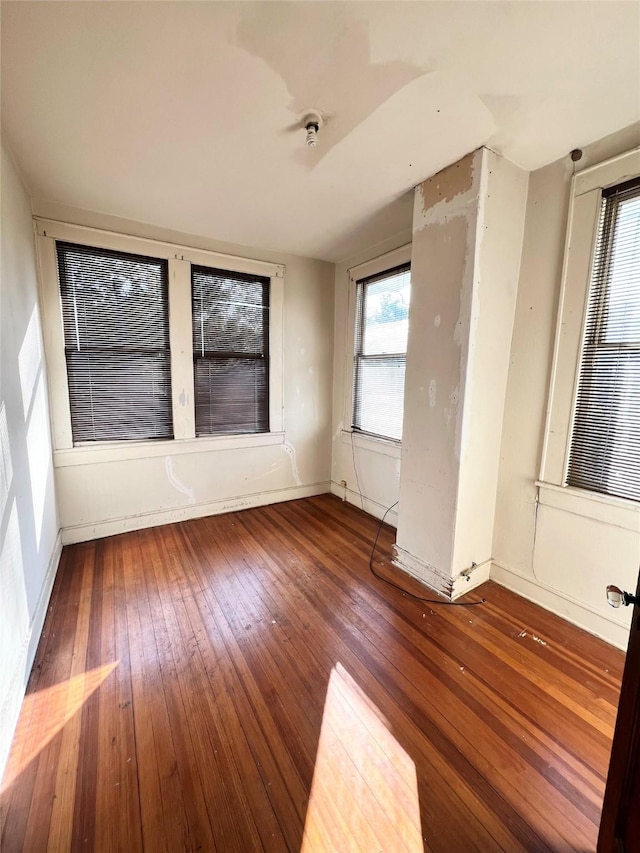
point(243, 682)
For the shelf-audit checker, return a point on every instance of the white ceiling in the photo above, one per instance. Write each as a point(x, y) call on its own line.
point(184, 114)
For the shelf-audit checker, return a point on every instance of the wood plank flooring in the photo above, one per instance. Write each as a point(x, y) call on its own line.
point(242, 682)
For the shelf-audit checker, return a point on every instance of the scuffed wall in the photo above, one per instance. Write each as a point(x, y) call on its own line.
point(99, 498)
point(442, 268)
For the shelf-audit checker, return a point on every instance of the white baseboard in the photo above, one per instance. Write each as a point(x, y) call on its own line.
point(466, 583)
point(426, 574)
point(583, 615)
point(12, 704)
point(113, 526)
point(369, 506)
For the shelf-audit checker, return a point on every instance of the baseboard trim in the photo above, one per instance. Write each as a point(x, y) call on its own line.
point(426, 574)
point(98, 530)
point(583, 615)
point(463, 584)
point(12, 704)
point(364, 503)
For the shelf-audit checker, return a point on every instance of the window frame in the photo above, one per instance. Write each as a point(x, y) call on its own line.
point(582, 230)
point(83, 346)
point(376, 266)
point(221, 355)
point(179, 258)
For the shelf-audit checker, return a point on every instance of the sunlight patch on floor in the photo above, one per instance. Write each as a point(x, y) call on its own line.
point(45, 713)
point(364, 794)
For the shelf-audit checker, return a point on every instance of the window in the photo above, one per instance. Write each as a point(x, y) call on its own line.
point(116, 340)
point(382, 323)
point(605, 442)
point(155, 348)
point(230, 317)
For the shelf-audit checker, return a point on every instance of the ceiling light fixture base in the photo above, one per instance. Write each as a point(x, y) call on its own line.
point(312, 122)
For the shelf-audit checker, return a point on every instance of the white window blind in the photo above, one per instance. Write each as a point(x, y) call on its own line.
point(116, 331)
point(605, 443)
point(382, 325)
point(230, 313)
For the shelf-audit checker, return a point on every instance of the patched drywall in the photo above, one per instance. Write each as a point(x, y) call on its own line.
point(467, 237)
point(29, 540)
point(140, 119)
point(348, 86)
point(434, 383)
point(447, 184)
point(442, 269)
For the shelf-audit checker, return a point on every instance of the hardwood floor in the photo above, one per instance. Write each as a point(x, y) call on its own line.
point(242, 682)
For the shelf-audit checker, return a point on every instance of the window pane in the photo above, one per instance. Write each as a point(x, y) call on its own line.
point(231, 396)
point(605, 443)
point(230, 314)
point(386, 307)
point(116, 395)
point(382, 324)
point(381, 398)
point(623, 308)
point(111, 300)
point(116, 328)
point(231, 351)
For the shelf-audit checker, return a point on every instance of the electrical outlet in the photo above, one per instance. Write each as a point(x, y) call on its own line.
point(343, 483)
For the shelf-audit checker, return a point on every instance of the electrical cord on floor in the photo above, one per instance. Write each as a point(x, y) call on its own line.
point(404, 591)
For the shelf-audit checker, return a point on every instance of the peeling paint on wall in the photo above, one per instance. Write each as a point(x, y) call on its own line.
point(450, 194)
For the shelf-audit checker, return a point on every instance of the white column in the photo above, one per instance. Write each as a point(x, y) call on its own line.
point(467, 238)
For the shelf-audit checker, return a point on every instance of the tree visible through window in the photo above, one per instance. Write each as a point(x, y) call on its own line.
point(116, 333)
point(382, 324)
point(230, 313)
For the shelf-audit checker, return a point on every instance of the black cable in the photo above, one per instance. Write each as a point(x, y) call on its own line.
point(404, 591)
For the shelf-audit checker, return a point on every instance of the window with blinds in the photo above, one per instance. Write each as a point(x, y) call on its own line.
point(382, 325)
point(116, 333)
point(230, 315)
point(605, 442)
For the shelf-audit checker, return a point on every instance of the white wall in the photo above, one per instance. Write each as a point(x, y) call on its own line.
point(370, 468)
point(98, 498)
point(29, 537)
point(559, 552)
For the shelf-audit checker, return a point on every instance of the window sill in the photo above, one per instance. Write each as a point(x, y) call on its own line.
point(618, 512)
point(119, 451)
point(375, 444)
